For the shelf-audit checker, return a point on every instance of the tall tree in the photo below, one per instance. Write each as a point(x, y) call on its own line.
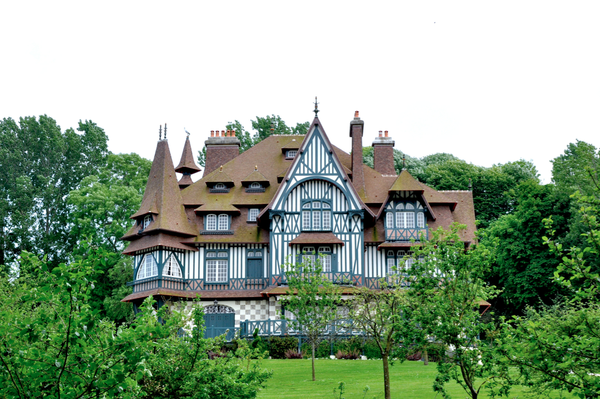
point(523, 268)
point(39, 166)
point(312, 299)
point(100, 210)
point(447, 285)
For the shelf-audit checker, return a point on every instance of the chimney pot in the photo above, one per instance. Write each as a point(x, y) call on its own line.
point(233, 133)
point(386, 133)
point(228, 133)
point(212, 133)
point(222, 133)
point(380, 133)
point(356, 114)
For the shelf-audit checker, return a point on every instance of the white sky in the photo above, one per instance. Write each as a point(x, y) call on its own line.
point(490, 82)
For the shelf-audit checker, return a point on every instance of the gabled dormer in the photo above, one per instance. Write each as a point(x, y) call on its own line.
point(255, 182)
point(219, 182)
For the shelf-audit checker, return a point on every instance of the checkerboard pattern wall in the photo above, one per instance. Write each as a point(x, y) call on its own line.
point(253, 310)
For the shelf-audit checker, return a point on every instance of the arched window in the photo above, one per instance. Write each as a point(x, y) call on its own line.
point(171, 268)
point(255, 185)
point(211, 222)
point(405, 220)
point(147, 268)
point(316, 216)
point(220, 186)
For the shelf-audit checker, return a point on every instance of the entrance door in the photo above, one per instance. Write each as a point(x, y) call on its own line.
point(217, 320)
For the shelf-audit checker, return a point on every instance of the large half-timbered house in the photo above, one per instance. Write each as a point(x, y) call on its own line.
point(228, 235)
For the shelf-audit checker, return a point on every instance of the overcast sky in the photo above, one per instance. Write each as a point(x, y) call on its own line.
point(490, 82)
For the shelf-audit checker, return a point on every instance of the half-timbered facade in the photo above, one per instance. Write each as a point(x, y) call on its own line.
point(228, 236)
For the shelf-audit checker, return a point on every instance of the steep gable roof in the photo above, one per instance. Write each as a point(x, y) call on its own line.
point(316, 129)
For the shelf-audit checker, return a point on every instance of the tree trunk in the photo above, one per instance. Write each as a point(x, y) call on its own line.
point(386, 376)
point(312, 344)
point(425, 357)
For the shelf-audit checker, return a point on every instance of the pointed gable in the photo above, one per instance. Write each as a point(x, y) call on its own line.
point(316, 159)
point(162, 198)
point(405, 182)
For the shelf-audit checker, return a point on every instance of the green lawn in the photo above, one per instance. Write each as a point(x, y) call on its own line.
point(413, 380)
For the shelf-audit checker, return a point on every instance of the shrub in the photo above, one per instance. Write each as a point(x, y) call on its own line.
point(371, 350)
point(322, 350)
point(352, 355)
point(293, 354)
point(279, 345)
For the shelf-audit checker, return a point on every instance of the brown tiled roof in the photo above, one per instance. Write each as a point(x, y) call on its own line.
point(405, 182)
point(219, 176)
point(398, 244)
point(206, 294)
point(215, 205)
point(316, 238)
point(464, 211)
point(293, 144)
point(162, 198)
point(257, 177)
point(187, 163)
point(154, 240)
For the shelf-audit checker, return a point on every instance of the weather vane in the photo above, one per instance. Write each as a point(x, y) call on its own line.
point(185, 130)
point(316, 111)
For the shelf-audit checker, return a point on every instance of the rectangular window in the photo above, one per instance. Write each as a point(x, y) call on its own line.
point(316, 220)
point(389, 220)
point(391, 263)
point(216, 271)
point(400, 220)
point(421, 220)
point(252, 214)
point(326, 260)
point(326, 220)
point(305, 220)
point(409, 218)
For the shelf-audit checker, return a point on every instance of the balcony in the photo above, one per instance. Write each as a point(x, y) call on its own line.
point(179, 284)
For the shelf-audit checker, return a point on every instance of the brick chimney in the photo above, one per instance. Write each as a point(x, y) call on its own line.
point(383, 154)
point(220, 150)
point(358, 174)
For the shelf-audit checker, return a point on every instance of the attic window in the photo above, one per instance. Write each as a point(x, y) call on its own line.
point(290, 154)
point(147, 220)
point(252, 214)
point(219, 188)
point(255, 187)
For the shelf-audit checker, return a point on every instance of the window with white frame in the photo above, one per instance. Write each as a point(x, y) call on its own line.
point(147, 220)
point(405, 220)
point(211, 222)
point(291, 153)
point(324, 254)
point(219, 188)
point(316, 216)
point(171, 268)
point(223, 222)
point(252, 214)
point(147, 268)
point(216, 266)
point(398, 260)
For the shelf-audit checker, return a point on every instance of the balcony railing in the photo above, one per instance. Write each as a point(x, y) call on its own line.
point(284, 327)
point(342, 278)
point(179, 284)
point(404, 234)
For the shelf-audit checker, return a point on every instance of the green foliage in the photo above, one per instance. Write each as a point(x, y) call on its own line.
point(279, 345)
point(555, 348)
point(446, 288)
point(523, 267)
point(100, 211)
point(39, 166)
point(571, 171)
point(322, 350)
point(312, 298)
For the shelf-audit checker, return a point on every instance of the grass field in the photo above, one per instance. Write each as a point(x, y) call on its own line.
point(412, 380)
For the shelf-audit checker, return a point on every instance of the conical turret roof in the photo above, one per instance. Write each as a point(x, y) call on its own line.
point(162, 199)
point(187, 163)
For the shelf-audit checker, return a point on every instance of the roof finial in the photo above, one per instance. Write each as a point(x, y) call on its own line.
point(165, 131)
point(160, 133)
point(221, 169)
point(255, 168)
point(403, 161)
point(470, 184)
point(185, 130)
point(316, 111)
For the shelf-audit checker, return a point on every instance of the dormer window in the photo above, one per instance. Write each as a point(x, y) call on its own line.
point(219, 188)
point(404, 221)
point(290, 154)
point(255, 187)
point(252, 214)
point(147, 220)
